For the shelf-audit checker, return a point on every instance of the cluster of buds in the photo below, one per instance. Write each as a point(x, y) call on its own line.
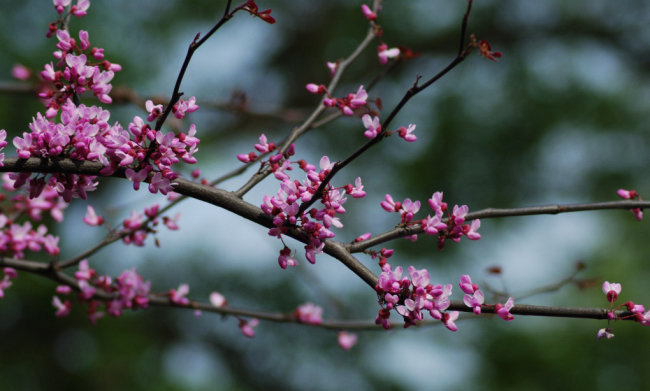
point(78, 72)
point(631, 195)
point(285, 205)
point(454, 229)
point(612, 290)
point(129, 290)
point(347, 104)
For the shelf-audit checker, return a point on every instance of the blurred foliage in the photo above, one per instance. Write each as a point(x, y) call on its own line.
point(562, 117)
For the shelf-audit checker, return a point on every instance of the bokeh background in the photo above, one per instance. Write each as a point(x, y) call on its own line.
point(561, 118)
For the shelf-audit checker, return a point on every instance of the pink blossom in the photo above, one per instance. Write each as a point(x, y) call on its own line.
point(371, 16)
point(384, 53)
point(627, 194)
point(80, 9)
point(316, 89)
point(448, 318)
point(177, 296)
point(346, 340)
point(466, 284)
point(333, 66)
point(91, 217)
point(406, 133)
point(373, 128)
point(158, 183)
point(247, 327)
point(87, 290)
point(389, 205)
point(504, 310)
point(285, 258)
point(357, 190)
point(4, 284)
point(60, 5)
point(470, 231)
point(171, 223)
point(611, 290)
point(62, 309)
point(607, 332)
point(20, 72)
point(63, 289)
point(431, 225)
point(218, 300)
point(475, 301)
point(10, 272)
point(363, 237)
point(309, 313)
point(358, 99)
point(85, 272)
point(154, 110)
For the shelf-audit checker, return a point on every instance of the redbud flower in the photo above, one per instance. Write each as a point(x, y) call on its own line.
point(629, 195)
point(471, 233)
point(346, 340)
point(475, 301)
point(247, 327)
point(611, 290)
point(309, 313)
point(60, 5)
point(405, 133)
point(63, 289)
point(371, 16)
point(285, 258)
point(384, 53)
point(357, 190)
point(363, 237)
point(218, 300)
point(178, 296)
point(448, 319)
point(605, 333)
point(80, 9)
point(504, 311)
point(20, 72)
point(316, 89)
point(466, 285)
point(136, 178)
point(332, 66)
point(154, 111)
point(91, 217)
point(373, 128)
point(171, 223)
point(62, 309)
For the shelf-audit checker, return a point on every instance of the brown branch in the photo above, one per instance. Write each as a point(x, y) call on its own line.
point(489, 213)
point(456, 305)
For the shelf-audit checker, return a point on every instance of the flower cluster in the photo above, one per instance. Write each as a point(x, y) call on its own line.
point(411, 297)
point(129, 290)
point(630, 195)
point(137, 226)
point(347, 105)
point(285, 208)
point(453, 229)
point(611, 291)
point(78, 72)
point(309, 313)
